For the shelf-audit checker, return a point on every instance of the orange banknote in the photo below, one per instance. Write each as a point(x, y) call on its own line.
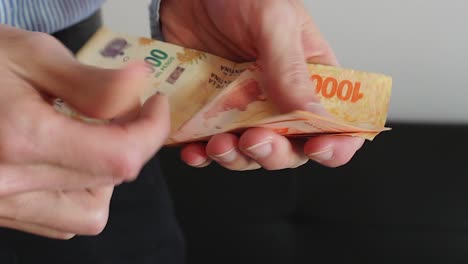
point(210, 95)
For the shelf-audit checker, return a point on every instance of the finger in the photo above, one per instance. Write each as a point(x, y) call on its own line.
point(223, 148)
point(194, 155)
point(108, 154)
point(99, 93)
point(270, 150)
point(17, 179)
point(281, 52)
point(121, 149)
point(332, 151)
point(316, 48)
point(79, 212)
point(136, 141)
point(35, 229)
point(151, 128)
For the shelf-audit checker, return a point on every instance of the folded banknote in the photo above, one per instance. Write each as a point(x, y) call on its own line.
point(209, 95)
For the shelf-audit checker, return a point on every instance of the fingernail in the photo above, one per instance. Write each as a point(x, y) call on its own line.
point(198, 162)
point(204, 164)
point(323, 155)
point(228, 156)
point(260, 150)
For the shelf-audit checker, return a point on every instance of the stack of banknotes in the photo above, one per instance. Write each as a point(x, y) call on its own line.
point(209, 95)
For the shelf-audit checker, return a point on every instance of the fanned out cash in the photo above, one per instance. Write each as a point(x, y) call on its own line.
point(209, 95)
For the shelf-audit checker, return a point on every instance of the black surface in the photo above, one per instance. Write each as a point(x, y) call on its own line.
point(403, 198)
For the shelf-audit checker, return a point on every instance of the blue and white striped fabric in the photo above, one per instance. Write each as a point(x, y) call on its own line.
point(46, 15)
point(50, 16)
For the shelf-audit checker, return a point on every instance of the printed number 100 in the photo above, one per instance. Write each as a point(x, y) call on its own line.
point(156, 59)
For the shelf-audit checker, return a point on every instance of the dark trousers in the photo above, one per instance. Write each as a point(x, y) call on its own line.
point(142, 227)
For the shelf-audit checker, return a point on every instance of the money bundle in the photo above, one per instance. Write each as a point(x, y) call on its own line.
point(209, 95)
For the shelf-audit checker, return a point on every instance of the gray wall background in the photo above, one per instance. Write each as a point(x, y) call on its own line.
point(422, 44)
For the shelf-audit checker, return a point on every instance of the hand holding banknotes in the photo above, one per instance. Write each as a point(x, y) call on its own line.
point(281, 36)
point(57, 174)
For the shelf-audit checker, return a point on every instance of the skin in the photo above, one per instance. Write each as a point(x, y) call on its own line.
point(281, 36)
point(57, 174)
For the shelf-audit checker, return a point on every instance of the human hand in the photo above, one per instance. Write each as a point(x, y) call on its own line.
point(57, 214)
point(281, 36)
point(56, 173)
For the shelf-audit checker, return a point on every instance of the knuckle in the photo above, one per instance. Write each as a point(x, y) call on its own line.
point(125, 165)
point(297, 76)
point(96, 221)
point(279, 12)
point(40, 42)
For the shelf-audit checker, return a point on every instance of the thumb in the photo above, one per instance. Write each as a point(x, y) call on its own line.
point(95, 92)
point(283, 55)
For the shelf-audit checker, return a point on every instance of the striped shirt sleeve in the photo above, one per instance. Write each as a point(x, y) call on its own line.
point(46, 15)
